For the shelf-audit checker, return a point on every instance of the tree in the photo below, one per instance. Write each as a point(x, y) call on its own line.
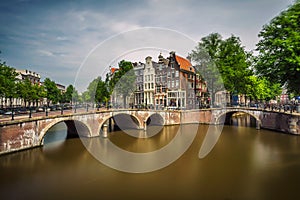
point(224, 64)
point(52, 93)
point(90, 94)
point(38, 93)
point(279, 49)
point(261, 89)
point(25, 91)
point(206, 55)
point(71, 95)
point(102, 93)
point(123, 81)
point(8, 78)
point(233, 63)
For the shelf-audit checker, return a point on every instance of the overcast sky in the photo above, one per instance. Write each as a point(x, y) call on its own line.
point(57, 38)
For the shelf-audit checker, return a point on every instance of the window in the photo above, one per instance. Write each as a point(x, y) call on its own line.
point(177, 73)
point(157, 79)
point(152, 87)
point(173, 85)
point(158, 89)
point(177, 83)
point(173, 74)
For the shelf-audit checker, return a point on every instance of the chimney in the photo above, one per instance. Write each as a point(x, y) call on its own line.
point(189, 58)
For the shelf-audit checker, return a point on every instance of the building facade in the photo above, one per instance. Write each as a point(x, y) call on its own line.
point(149, 82)
point(139, 90)
point(170, 83)
point(33, 77)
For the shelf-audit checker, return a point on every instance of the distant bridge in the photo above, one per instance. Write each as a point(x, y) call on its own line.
point(27, 133)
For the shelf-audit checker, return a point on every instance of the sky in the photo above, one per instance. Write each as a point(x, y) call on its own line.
point(73, 42)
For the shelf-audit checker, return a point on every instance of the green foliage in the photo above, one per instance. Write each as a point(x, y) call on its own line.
point(90, 94)
point(71, 95)
point(206, 56)
point(102, 93)
point(51, 91)
point(262, 89)
point(233, 63)
point(279, 49)
point(123, 81)
point(8, 77)
point(224, 64)
point(25, 90)
point(97, 92)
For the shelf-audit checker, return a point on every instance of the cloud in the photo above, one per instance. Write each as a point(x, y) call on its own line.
point(53, 37)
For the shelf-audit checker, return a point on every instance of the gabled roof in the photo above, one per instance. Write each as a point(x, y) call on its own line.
point(185, 64)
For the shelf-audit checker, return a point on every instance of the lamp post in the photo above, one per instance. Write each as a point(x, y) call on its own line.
point(30, 112)
point(46, 110)
point(12, 113)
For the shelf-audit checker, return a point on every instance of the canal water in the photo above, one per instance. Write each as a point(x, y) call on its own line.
point(244, 164)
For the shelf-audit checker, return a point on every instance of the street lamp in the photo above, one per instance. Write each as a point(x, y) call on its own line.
point(12, 113)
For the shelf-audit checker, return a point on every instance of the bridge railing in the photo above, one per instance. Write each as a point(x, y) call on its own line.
point(15, 114)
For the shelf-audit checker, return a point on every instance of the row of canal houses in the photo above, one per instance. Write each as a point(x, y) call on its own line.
point(170, 83)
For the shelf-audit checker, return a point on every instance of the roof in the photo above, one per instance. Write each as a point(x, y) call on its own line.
point(113, 70)
point(185, 64)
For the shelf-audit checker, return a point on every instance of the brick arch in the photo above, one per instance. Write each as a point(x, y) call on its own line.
point(155, 114)
point(220, 118)
point(111, 116)
point(69, 123)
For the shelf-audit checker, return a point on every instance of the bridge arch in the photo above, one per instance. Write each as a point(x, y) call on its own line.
point(221, 118)
point(74, 128)
point(155, 119)
point(123, 121)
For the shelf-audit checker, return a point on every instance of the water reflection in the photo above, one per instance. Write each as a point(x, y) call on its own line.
point(243, 119)
point(244, 164)
point(121, 159)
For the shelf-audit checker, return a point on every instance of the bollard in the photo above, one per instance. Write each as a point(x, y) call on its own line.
point(12, 114)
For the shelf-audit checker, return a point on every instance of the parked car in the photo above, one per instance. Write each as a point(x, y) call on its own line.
point(52, 108)
point(23, 111)
point(2, 112)
point(9, 113)
point(40, 109)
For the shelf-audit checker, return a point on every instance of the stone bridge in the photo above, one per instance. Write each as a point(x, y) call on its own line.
point(27, 133)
